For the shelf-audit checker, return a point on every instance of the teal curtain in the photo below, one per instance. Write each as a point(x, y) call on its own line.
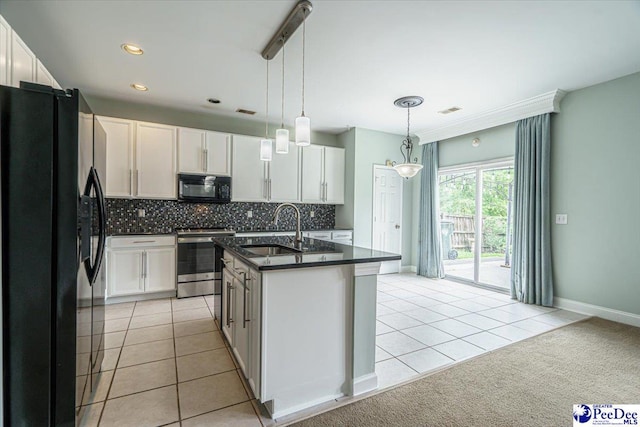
point(531, 272)
point(429, 239)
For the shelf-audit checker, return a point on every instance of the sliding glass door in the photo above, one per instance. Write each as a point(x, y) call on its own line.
point(475, 209)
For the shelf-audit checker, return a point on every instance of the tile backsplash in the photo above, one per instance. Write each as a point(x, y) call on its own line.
point(164, 216)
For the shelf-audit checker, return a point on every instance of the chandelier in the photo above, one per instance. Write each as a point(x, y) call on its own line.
point(408, 168)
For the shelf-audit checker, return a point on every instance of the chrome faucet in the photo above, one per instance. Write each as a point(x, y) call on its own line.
point(298, 238)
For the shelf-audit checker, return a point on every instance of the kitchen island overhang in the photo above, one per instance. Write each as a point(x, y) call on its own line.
point(310, 319)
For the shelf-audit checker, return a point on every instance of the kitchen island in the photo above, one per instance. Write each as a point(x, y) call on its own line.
point(300, 318)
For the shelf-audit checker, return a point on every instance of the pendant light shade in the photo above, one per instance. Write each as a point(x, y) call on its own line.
point(303, 131)
point(303, 124)
point(282, 141)
point(409, 168)
point(266, 149)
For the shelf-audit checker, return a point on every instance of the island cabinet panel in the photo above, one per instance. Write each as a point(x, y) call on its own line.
point(306, 330)
point(241, 317)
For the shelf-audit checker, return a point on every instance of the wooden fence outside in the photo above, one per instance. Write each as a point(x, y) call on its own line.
point(464, 230)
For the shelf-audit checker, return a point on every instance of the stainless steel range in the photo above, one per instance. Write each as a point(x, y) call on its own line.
point(199, 264)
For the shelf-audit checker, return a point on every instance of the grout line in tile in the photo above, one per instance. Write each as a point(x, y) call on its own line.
point(215, 410)
point(175, 363)
point(115, 368)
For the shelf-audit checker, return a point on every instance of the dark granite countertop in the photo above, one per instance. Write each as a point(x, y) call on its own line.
point(315, 253)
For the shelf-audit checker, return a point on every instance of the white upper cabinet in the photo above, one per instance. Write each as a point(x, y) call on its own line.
point(120, 149)
point(218, 153)
point(23, 61)
point(156, 165)
point(44, 77)
point(249, 180)
point(284, 172)
point(204, 152)
point(255, 180)
point(18, 63)
point(323, 174)
point(334, 175)
point(5, 53)
point(313, 174)
point(191, 150)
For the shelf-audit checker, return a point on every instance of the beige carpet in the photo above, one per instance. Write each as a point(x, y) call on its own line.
point(531, 383)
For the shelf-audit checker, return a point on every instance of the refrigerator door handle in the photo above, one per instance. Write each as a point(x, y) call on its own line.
point(92, 268)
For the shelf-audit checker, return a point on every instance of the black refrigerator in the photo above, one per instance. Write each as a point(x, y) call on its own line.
point(52, 157)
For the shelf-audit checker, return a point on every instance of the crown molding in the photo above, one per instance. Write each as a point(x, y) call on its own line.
point(548, 102)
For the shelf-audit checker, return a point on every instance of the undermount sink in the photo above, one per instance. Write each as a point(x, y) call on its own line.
point(269, 250)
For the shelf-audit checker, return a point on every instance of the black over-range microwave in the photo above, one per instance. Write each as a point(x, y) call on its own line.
point(204, 188)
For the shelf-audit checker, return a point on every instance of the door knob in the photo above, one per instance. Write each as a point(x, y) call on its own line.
point(397, 226)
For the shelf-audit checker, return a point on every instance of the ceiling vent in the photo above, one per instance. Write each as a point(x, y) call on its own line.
point(450, 110)
point(243, 111)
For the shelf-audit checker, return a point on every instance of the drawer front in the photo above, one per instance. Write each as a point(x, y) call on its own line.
point(326, 235)
point(342, 235)
point(140, 241)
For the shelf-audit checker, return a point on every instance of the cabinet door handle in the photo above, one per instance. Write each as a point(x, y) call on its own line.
point(326, 191)
point(204, 168)
point(244, 307)
point(206, 160)
point(144, 265)
point(229, 289)
point(137, 182)
point(269, 188)
point(130, 182)
point(225, 261)
point(144, 241)
point(265, 192)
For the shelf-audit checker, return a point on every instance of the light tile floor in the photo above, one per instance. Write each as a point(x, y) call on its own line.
point(166, 362)
point(425, 324)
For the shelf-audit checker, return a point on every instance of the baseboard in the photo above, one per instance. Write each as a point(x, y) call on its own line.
point(599, 311)
point(408, 269)
point(140, 297)
point(365, 383)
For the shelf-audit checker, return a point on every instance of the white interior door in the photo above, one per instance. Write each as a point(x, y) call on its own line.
point(387, 214)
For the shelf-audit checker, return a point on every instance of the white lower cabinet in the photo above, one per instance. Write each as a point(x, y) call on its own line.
point(242, 316)
point(140, 264)
point(125, 275)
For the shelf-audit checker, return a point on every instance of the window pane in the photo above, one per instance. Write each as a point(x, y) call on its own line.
point(458, 211)
point(494, 262)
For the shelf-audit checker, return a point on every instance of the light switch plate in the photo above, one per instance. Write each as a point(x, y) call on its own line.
point(141, 213)
point(562, 219)
point(249, 214)
point(312, 214)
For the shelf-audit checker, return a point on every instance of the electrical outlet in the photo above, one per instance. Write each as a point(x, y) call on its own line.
point(562, 219)
point(249, 214)
point(312, 214)
point(141, 213)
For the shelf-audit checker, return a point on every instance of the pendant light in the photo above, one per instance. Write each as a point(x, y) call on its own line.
point(266, 144)
point(282, 134)
point(408, 169)
point(303, 124)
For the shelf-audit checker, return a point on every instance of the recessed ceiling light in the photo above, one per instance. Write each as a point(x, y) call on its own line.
point(213, 101)
point(132, 49)
point(139, 87)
